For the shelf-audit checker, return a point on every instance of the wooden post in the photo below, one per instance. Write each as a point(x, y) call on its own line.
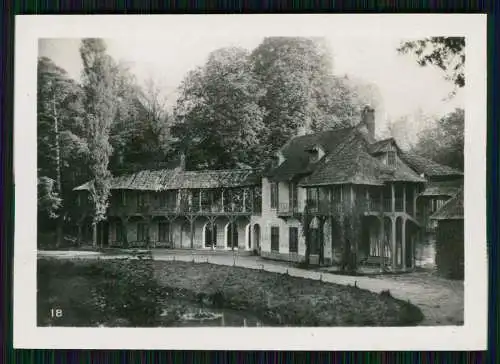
point(415, 193)
point(214, 236)
point(222, 200)
point(244, 198)
point(393, 242)
point(191, 222)
point(403, 244)
point(382, 244)
point(404, 198)
point(393, 198)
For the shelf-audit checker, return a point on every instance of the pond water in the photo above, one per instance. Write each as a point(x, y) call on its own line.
point(198, 316)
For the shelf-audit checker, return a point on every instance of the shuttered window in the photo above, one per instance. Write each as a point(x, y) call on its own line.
point(275, 239)
point(141, 232)
point(293, 233)
point(274, 195)
point(163, 231)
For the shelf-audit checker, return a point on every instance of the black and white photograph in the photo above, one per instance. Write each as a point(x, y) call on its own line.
point(244, 180)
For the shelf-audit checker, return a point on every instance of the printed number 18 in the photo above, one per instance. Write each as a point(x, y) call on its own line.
point(56, 312)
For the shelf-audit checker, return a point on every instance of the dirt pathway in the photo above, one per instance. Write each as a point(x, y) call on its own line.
point(440, 300)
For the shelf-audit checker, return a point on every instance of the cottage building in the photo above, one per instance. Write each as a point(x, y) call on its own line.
point(339, 190)
point(450, 237)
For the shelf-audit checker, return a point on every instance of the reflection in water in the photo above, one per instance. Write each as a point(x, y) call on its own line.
point(205, 316)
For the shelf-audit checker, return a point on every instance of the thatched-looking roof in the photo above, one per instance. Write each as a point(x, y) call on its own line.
point(382, 146)
point(453, 209)
point(297, 155)
point(170, 179)
point(428, 167)
point(442, 188)
point(347, 159)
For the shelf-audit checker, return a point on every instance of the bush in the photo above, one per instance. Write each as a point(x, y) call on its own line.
point(120, 291)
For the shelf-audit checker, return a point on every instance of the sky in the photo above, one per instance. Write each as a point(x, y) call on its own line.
point(404, 86)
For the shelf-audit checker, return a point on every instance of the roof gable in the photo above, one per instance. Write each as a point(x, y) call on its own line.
point(297, 156)
point(168, 179)
point(453, 209)
point(428, 167)
point(352, 163)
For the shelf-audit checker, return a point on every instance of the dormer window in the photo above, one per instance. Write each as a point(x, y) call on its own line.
point(391, 159)
point(279, 159)
point(315, 154)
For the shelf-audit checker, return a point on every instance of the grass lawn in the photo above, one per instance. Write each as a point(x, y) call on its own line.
point(135, 292)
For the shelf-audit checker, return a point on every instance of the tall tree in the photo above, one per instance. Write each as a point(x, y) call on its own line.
point(292, 71)
point(444, 143)
point(100, 105)
point(59, 143)
point(447, 53)
point(218, 118)
point(301, 92)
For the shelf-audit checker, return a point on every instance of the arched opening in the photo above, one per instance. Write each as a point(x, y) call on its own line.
point(411, 234)
point(232, 236)
point(386, 240)
point(314, 236)
point(185, 235)
point(399, 241)
point(256, 236)
point(209, 235)
point(371, 237)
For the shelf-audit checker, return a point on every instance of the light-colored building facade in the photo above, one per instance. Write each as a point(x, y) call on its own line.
point(336, 191)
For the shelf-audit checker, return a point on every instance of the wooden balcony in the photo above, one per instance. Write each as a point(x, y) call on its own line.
point(287, 210)
point(182, 208)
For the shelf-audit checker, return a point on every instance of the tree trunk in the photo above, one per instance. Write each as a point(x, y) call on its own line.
point(94, 234)
point(321, 238)
point(59, 222)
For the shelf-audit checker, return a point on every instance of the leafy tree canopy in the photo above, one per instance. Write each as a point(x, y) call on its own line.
point(447, 53)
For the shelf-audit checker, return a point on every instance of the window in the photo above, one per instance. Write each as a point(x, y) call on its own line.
point(195, 199)
point(141, 231)
point(275, 239)
point(118, 231)
point(163, 199)
point(142, 199)
point(163, 231)
point(293, 246)
point(293, 197)
point(171, 199)
point(312, 197)
point(274, 195)
point(391, 159)
point(78, 200)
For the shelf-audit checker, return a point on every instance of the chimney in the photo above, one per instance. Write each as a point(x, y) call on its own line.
point(368, 120)
point(182, 162)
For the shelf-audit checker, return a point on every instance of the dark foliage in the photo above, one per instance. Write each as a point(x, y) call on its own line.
point(110, 292)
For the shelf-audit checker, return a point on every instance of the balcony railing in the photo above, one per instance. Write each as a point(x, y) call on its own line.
point(323, 207)
point(287, 209)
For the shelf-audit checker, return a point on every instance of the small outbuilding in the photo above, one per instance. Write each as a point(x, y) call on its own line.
point(450, 237)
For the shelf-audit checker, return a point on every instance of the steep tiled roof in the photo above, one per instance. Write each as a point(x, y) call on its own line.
point(442, 188)
point(351, 163)
point(453, 209)
point(166, 179)
point(427, 166)
point(296, 154)
point(381, 146)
